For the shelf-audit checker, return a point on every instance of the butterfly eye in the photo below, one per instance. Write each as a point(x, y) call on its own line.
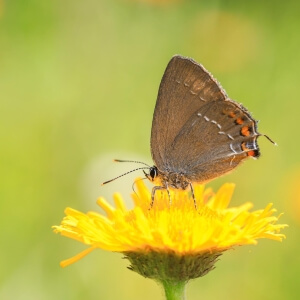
point(153, 172)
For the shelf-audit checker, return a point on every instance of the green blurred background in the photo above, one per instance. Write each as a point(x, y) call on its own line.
point(78, 85)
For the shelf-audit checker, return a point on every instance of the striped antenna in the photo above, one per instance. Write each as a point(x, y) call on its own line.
point(124, 174)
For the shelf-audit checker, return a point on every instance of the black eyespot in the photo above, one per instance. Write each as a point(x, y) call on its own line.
point(153, 172)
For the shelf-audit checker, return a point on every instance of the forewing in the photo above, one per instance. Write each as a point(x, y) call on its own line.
point(185, 87)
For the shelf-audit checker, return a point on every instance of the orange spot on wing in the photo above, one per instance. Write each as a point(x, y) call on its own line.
point(239, 121)
point(244, 148)
point(231, 114)
point(251, 153)
point(245, 131)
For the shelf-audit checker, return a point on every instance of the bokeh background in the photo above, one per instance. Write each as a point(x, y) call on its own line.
point(78, 85)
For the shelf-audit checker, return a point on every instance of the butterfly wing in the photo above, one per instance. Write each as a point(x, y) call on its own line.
point(184, 88)
point(197, 130)
point(212, 143)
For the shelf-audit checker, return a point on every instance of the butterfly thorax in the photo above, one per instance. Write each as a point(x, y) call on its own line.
point(168, 179)
point(174, 180)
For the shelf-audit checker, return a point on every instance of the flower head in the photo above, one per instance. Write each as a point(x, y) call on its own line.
point(171, 228)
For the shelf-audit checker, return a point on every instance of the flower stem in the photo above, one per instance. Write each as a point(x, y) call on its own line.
point(174, 290)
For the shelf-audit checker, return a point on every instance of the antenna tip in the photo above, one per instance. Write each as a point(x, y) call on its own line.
point(108, 181)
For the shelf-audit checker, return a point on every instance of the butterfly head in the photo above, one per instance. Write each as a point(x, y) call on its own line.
point(153, 174)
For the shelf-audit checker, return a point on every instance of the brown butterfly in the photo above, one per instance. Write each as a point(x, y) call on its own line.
point(198, 132)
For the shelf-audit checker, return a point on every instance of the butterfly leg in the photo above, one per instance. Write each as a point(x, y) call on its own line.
point(193, 195)
point(170, 200)
point(154, 189)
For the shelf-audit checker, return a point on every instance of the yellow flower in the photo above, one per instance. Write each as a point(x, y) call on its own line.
point(175, 228)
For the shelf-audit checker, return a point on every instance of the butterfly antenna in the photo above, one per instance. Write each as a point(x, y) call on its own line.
point(132, 161)
point(123, 175)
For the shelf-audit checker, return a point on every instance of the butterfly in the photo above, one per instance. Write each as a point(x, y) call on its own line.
point(198, 132)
